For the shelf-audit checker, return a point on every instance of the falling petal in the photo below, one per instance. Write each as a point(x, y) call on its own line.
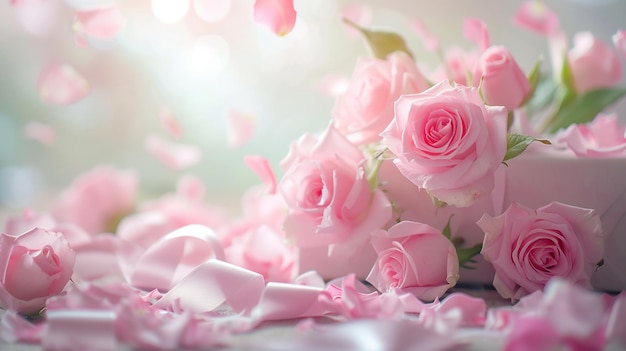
point(278, 15)
point(536, 17)
point(619, 40)
point(171, 124)
point(429, 41)
point(101, 24)
point(60, 84)
point(173, 155)
point(40, 132)
point(476, 31)
point(241, 127)
point(37, 17)
point(263, 169)
point(358, 13)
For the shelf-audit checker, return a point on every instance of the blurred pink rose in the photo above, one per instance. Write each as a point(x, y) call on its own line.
point(503, 82)
point(263, 250)
point(96, 200)
point(448, 142)
point(528, 247)
point(416, 258)
point(602, 137)
point(33, 267)
point(366, 108)
point(327, 192)
point(593, 63)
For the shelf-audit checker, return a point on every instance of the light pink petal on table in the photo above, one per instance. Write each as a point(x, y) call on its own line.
point(37, 17)
point(536, 17)
point(102, 23)
point(476, 31)
point(278, 15)
point(430, 42)
point(619, 40)
point(241, 127)
point(170, 123)
point(61, 84)
point(261, 166)
point(40, 132)
point(173, 155)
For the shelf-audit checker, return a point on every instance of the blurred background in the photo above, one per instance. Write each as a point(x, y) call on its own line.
point(203, 61)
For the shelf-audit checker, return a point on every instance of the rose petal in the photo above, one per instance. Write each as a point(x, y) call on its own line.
point(263, 169)
point(173, 155)
point(475, 30)
point(430, 42)
point(536, 17)
point(241, 127)
point(170, 124)
point(40, 132)
point(60, 84)
point(103, 23)
point(277, 15)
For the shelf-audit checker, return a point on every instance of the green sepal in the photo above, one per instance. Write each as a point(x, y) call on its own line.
point(583, 108)
point(381, 43)
point(447, 231)
point(467, 254)
point(517, 143)
point(533, 78)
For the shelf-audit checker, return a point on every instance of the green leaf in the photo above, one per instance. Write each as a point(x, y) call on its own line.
point(543, 94)
point(381, 43)
point(466, 254)
point(517, 143)
point(447, 232)
point(585, 107)
point(567, 80)
point(533, 78)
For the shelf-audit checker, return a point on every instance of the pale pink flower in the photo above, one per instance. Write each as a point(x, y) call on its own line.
point(593, 63)
point(97, 199)
point(40, 132)
point(502, 81)
point(475, 30)
point(264, 251)
point(102, 23)
point(619, 40)
point(602, 137)
point(416, 258)
point(61, 84)
point(327, 192)
point(278, 15)
point(241, 127)
point(176, 156)
point(448, 142)
point(366, 108)
point(34, 266)
point(529, 247)
point(536, 17)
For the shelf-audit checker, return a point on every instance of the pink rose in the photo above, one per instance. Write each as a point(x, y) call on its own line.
point(366, 108)
point(327, 193)
point(593, 63)
point(415, 258)
point(528, 247)
point(97, 199)
point(603, 137)
point(503, 82)
point(34, 266)
point(448, 142)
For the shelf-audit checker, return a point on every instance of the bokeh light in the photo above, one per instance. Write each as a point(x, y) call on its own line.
point(170, 11)
point(211, 10)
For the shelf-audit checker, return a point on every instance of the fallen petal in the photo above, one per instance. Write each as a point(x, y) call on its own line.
point(278, 15)
point(60, 84)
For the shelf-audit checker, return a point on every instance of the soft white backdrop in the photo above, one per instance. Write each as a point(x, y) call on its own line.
point(150, 68)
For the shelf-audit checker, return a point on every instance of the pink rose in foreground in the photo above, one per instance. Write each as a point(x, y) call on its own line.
point(33, 267)
point(503, 81)
point(415, 258)
point(528, 247)
point(602, 137)
point(448, 142)
point(593, 63)
point(366, 108)
point(327, 193)
point(96, 200)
